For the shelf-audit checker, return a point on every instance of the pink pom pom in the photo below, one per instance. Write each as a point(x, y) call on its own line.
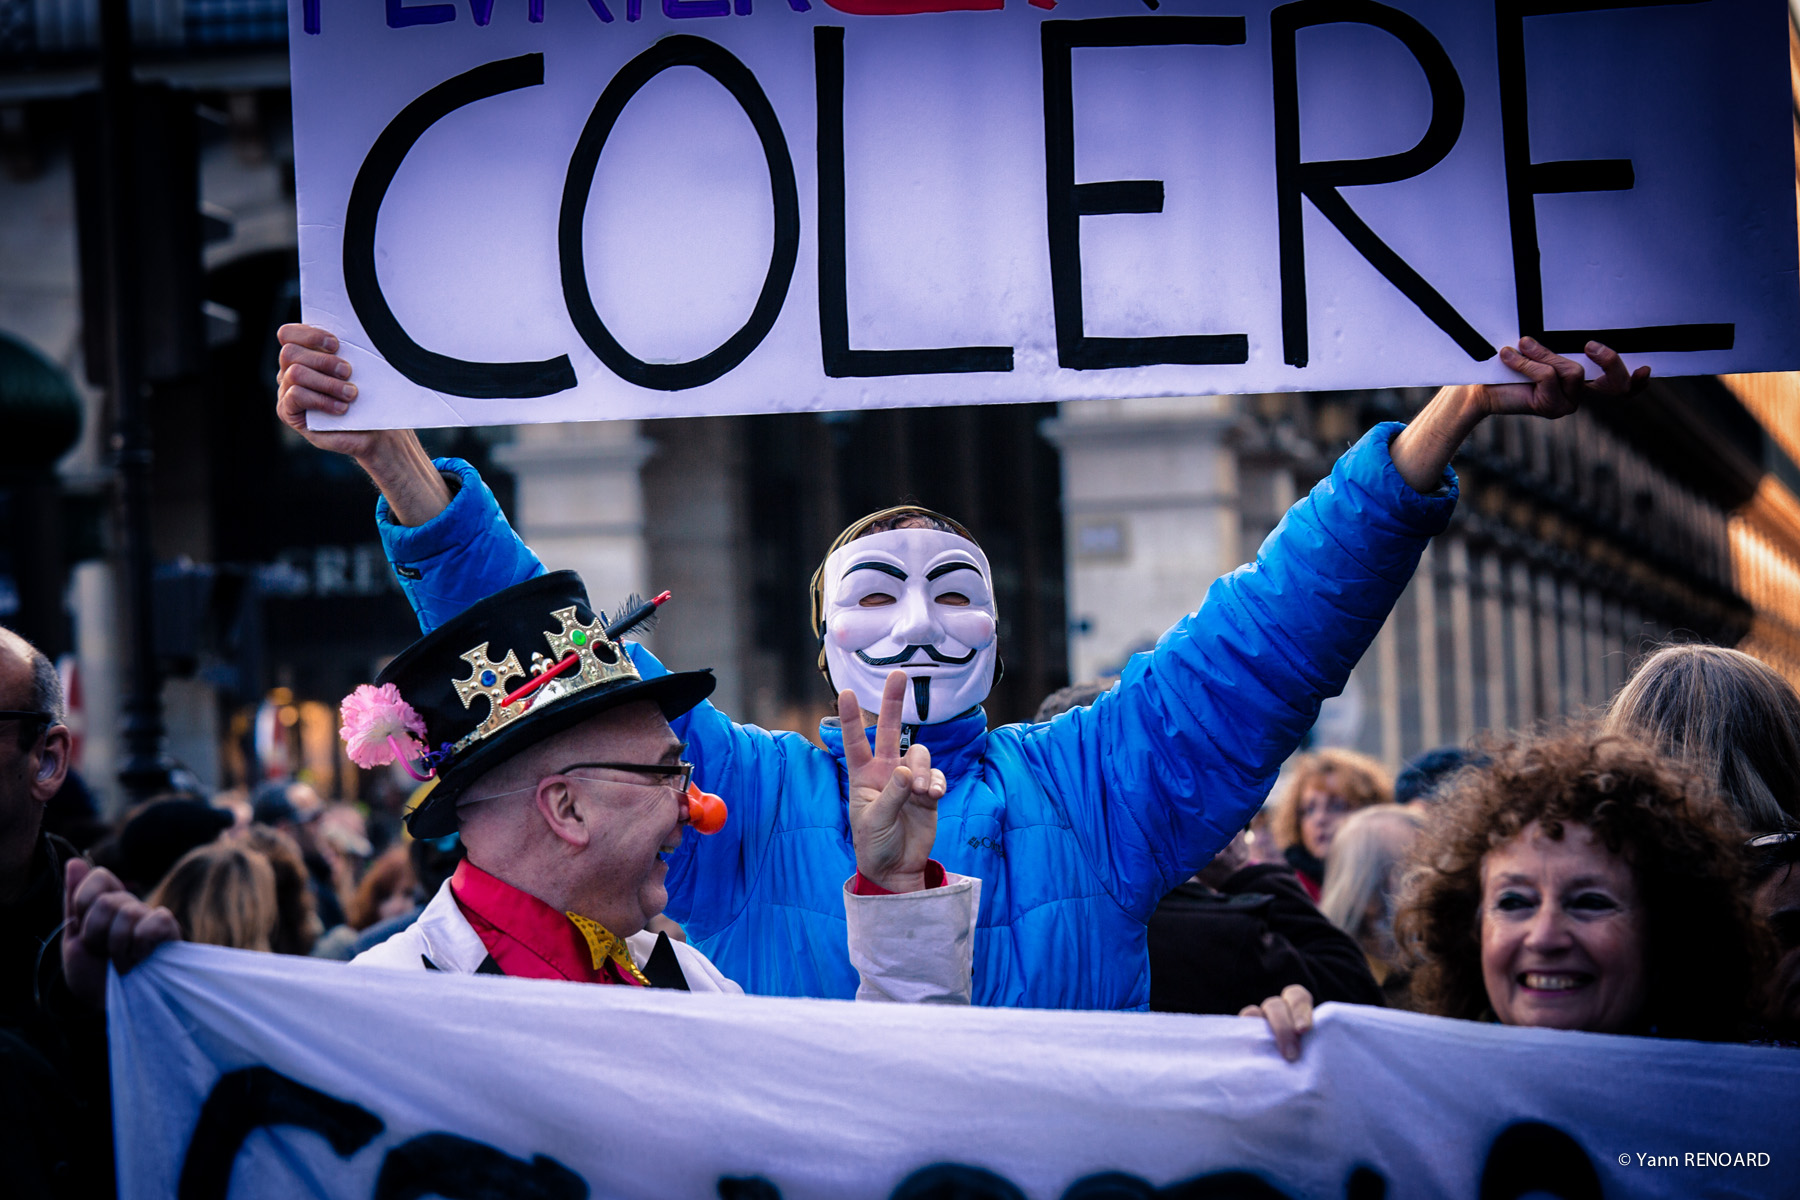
point(376, 723)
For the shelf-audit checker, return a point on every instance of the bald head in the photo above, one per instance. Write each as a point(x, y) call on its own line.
point(28, 680)
point(34, 758)
point(583, 838)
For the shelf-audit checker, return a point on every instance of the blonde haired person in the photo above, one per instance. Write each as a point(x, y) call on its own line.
point(221, 895)
point(1323, 788)
point(1362, 881)
point(1726, 715)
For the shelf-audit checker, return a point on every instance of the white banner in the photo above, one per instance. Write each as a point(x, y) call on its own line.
point(254, 1075)
point(531, 211)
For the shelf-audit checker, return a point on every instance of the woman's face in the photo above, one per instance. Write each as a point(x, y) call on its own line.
point(1322, 810)
point(1562, 933)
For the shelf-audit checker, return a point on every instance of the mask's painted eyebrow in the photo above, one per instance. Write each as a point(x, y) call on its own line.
point(946, 568)
point(884, 568)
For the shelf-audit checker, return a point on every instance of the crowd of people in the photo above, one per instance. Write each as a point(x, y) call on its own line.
point(1629, 872)
point(1149, 842)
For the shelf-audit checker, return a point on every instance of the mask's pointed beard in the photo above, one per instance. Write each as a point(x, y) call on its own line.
point(922, 697)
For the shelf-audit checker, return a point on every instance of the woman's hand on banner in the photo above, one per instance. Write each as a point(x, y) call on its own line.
point(893, 798)
point(1289, 1015)
point(103, 922)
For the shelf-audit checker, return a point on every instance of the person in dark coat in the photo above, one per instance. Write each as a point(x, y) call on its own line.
point(55, 1114)
point(1240, 931)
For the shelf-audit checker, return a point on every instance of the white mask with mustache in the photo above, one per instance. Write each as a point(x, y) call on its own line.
point(915, 600)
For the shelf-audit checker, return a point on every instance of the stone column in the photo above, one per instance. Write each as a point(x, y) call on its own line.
point(697, 540)
point(93, 600)
point(581, 502)
point(1150, 518)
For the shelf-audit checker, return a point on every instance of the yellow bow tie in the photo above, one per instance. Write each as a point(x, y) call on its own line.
point(604, 946)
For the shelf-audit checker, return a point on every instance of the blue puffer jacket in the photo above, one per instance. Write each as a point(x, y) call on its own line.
point(1077, 826)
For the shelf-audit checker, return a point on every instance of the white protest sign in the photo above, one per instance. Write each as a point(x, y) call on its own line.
point(257, 1075)
point(531, 211)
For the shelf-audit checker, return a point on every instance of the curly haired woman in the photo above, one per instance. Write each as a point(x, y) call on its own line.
point(1322, 788)
point(1582, 881)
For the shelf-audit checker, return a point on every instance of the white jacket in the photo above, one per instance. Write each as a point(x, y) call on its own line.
point(917, 948)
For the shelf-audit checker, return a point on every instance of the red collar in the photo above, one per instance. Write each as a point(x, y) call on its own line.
point(524, 936)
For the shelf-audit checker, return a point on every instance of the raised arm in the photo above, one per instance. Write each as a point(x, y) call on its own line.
point(1166, 768)
point(443, 532)
point(1555, 387)
point(314, 379)
point(450, 545)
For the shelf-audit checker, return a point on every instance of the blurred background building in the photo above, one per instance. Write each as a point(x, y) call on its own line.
point(1576, 544)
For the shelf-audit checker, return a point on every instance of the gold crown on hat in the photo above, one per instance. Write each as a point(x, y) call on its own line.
point(582, 657)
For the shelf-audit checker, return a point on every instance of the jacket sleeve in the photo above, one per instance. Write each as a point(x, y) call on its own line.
point(711, 876)
point(1302, 945)
point(463, 554)
point(916, 948)
point(1163, 770)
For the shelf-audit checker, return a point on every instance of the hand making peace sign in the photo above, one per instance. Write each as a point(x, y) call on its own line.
point(893, 798)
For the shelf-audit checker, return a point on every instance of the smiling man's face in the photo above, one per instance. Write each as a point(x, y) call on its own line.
point(637, 816)
point(915, 600)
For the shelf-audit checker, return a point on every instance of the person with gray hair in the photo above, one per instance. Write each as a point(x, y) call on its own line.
point(1727, 715)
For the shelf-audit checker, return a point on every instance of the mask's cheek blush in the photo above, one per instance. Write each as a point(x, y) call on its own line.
point(972, 627)
point(855, 628)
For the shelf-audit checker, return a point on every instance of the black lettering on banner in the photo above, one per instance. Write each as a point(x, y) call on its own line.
point(442, 1164)
point(1067, 201)
point(440, 372)
point(1527, 180)
point(1366, 1183)
point(955, 1181)
point(257, 1098)
point(1222, 1185)
point(678, 51)
point(1532, 1158)
point(401, 15)
point(1320, 181)
point(834, 301)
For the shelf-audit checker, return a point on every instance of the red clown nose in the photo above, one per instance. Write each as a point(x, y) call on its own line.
point(706, 812)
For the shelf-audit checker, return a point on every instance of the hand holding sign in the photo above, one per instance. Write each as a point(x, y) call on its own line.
point(1559, 385)
point(893, 798)
point(315, 379)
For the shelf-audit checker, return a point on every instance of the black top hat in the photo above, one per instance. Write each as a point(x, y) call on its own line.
point(457, 676)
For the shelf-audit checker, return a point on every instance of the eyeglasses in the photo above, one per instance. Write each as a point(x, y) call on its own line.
point(42, 720)
point(681, 771)
point(1771, 852)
